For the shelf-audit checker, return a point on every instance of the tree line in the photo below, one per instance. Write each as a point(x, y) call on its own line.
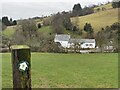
point(79, 11)
point(116, 4)
point(8, 22)
point(109, 36)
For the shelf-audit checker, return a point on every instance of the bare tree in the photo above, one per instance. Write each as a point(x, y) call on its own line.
point(101, 40)
point(57, 23)
point(28, 27)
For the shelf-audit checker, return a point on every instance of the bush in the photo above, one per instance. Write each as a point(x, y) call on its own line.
point(116, 4)
point(39, 25)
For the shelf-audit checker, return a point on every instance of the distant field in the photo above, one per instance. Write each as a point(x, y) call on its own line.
point(9, 31)
point(46, 30)
point(107, 7)
point(99, 19)
point(68, 70)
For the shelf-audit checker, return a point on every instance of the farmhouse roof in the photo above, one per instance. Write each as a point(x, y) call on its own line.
point(88, 40)
point(82, 41)
point(75, 41)
point(62, 37)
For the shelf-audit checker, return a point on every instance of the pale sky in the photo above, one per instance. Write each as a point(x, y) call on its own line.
point(17, 9)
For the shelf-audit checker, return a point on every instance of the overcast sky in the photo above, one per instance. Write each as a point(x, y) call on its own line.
point(17, 9)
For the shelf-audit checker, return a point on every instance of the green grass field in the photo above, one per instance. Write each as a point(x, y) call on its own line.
point(68, 70)
point(46, 30)
point(9, 31)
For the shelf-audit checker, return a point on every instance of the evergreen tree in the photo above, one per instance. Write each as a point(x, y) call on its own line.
point(88, 28)
point(6, 21)
point(14, 22)
point(116, 4)
point(39, 25)
point(77, 10)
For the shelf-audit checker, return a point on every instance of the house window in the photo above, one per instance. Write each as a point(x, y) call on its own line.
point(86, 44)
point(91, 44)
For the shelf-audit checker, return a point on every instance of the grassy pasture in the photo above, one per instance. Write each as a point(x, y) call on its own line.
point(98, 20)
point(107, 7)
point(68, 70)
point(9, 31)
point(45, 30)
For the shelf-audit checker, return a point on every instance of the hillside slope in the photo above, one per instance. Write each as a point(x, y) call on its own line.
point(99, 19)
point(105, 6)
point(9, 31)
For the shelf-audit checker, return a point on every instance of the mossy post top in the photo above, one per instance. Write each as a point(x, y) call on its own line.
point(19, 47)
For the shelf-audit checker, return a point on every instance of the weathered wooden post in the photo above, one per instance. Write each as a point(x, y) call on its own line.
point(21, 66)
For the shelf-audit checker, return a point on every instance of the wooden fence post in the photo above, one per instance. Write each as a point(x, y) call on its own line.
point(21, 66)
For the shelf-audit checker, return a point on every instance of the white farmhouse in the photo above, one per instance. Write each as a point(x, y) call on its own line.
point(68, 42)
point(84, 43)
point(62, 39)
point(88, 43)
